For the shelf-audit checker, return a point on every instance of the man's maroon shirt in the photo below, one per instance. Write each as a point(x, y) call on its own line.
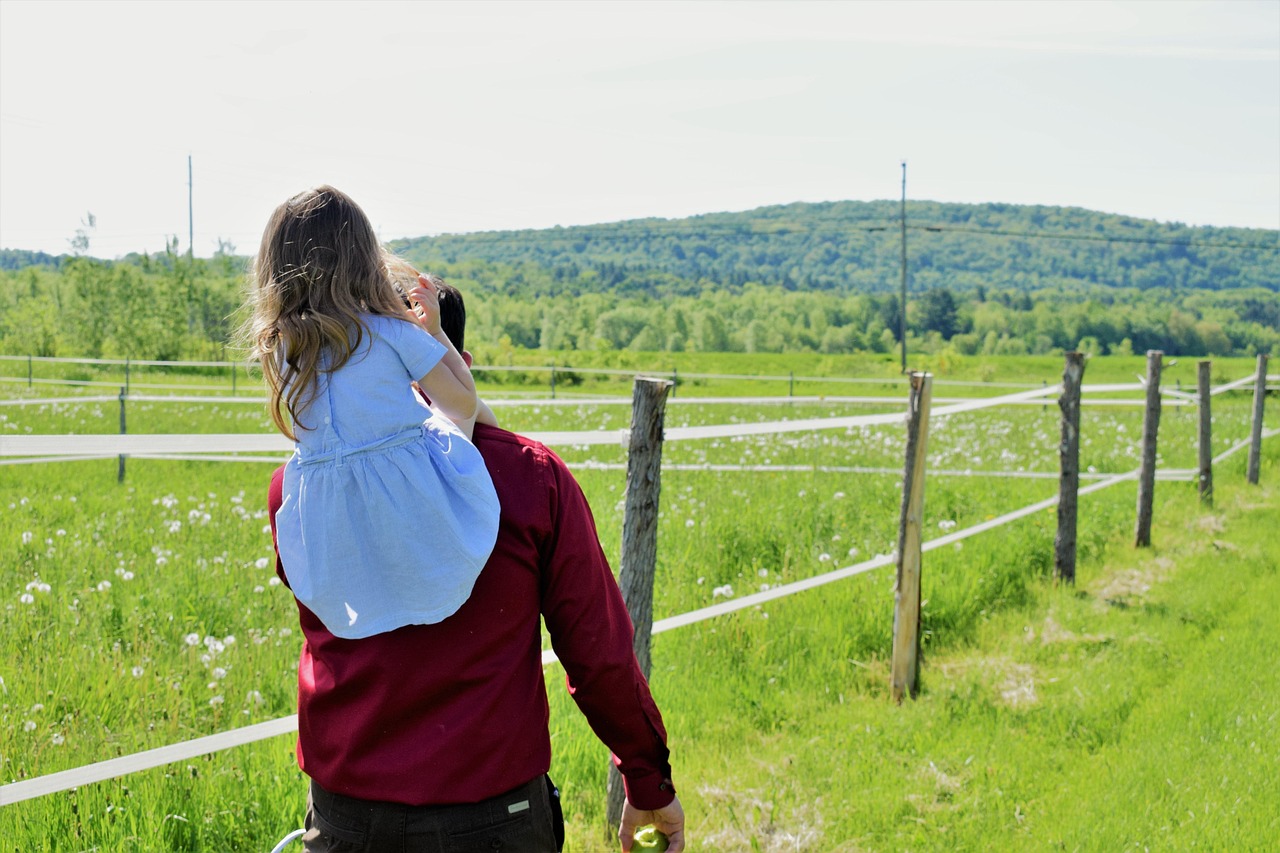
point(456, 712)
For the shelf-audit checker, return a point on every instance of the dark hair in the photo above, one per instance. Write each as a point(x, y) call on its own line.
point(453, 314)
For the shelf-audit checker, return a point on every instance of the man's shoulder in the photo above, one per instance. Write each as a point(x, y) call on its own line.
point(498, 440)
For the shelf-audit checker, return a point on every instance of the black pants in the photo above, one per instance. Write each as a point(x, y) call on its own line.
point(526, 819)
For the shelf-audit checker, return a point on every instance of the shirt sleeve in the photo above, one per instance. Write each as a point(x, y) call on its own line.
point(418, 351)
point(591, 633)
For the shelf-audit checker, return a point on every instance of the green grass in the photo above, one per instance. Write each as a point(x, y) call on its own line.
point(1050, 718)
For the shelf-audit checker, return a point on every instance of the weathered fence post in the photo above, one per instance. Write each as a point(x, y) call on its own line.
point(791, 383)
point(1255, 438)
point(120, 460)
point(1064, 542)
point(675, 380)
point(553, 380)
point(1147, 472)
point(905, 666)
point(29, 379)
point(1203, 370)
point(640, 537)
point(126, 375)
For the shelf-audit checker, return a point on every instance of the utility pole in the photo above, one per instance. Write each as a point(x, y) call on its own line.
point(902, 307)
point(191, 216)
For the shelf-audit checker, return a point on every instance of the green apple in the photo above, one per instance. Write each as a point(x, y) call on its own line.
point(649, 838)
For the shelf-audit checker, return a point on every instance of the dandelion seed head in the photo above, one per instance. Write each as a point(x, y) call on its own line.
point(192, 639)
point(262, 562)
point(216, 700)
point(27, 598)
point(103, 586)
point(138, 671)
point(27, 536)
point(29, 726)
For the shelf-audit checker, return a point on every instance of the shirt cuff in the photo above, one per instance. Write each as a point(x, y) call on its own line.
point(648, 790)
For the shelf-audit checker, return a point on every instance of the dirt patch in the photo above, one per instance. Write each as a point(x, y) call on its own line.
point(1053, 633)
point(755, 824)
point(1130, 587)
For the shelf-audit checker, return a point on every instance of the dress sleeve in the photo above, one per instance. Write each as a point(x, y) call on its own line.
point(591, 633)
point(418, 351)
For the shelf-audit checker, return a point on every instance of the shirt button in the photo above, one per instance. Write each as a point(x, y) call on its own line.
point(326, 420)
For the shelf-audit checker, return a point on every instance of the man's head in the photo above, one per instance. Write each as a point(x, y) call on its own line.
point(453, 317)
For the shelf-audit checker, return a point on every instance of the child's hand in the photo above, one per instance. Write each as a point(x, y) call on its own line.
point(426, 304)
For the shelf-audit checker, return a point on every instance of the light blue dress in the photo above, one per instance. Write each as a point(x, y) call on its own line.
point(389, 513)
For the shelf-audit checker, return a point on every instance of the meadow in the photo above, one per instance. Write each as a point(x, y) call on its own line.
point(142, 613)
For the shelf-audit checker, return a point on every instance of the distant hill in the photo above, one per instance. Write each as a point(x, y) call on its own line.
point(16, 259)
point(855, 247)
point(984, 279)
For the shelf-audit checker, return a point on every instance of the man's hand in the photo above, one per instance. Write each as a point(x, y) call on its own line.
point(669, 820)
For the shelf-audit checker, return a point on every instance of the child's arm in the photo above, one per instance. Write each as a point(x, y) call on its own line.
point(449, 384)
point(484, 414)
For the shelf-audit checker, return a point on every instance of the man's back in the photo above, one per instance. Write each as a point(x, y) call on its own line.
point(457, 711)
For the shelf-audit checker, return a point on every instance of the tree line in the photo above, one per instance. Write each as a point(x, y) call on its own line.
point(983, 279)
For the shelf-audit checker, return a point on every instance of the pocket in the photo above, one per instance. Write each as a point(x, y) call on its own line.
point(492, 826)
point(331, 828)
point(510, 834)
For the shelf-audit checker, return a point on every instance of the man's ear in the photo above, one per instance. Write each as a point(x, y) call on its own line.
point(466, 358)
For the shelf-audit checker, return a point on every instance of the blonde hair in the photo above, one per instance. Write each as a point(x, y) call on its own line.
point(319, 268)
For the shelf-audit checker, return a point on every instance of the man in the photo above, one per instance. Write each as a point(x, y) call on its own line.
point(435, 736)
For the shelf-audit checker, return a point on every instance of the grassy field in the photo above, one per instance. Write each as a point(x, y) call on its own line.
point(1137, 708)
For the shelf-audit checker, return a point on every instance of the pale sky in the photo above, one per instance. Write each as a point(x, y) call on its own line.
point(453, 117)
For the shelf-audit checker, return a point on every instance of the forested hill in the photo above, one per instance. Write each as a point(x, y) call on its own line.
point(986, 279)
point(855, 247)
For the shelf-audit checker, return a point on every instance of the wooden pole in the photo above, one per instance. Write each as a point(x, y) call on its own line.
point(1147, 472)
point(1064, 543)
point(640, 537)
point(1255, 439)
point(906, 596)
point(1203, 370)
point(120, 460)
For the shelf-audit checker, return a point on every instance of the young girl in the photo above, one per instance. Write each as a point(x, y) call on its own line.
point(387, 519)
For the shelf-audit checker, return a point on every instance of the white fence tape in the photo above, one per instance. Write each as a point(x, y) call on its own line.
point(65, 780)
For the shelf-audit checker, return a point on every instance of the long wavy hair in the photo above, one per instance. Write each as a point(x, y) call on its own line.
point(319, 268)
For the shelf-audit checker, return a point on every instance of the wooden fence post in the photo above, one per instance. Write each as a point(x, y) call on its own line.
point(640, 538)
point(1255, 439)
point(126, 376)
point(1203, 370)
point(905, 667)
point(1147, 472)
point(120, 460)
point(29, 379)
point(553, 380)
point(1064, 542)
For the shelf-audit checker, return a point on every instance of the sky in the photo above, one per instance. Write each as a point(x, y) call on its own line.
point(447, 117)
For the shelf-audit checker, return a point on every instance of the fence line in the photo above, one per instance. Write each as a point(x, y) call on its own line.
point(550, 369)
point(63, 780)
point(143, 444)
